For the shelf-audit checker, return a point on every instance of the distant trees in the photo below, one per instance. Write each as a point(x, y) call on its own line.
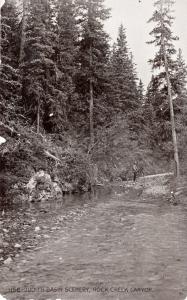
point(141, 92)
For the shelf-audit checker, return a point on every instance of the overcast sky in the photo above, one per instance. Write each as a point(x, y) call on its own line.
point(134, 16)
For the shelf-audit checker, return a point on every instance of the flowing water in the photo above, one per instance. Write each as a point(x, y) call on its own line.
point(122, 246)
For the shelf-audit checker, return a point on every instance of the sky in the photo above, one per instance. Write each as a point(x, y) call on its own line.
point(134, 16)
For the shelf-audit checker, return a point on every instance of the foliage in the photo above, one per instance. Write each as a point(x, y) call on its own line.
point(66, 66)
point(92, 59)
point(38, 66)
point(156, 109)
point(125, 93)
point(27, 153)
point(127, 96)
point(117, 148)
point(10, 86)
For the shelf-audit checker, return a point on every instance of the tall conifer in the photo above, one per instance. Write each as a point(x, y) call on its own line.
point(125, 93)
point(9, 74)
point(38, 64)
point(92, 59)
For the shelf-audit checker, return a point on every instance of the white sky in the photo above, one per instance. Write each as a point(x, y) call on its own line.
point(1, 2)
point(134, 16)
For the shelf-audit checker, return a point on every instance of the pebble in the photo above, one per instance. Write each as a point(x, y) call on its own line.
point(46, 236)
point(37, 228)
point(17, 246)
point(8, 261)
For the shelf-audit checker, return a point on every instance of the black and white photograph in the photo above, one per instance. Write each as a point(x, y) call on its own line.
point(93, 150)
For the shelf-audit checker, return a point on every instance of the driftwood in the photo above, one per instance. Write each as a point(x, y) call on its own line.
point(48, 154)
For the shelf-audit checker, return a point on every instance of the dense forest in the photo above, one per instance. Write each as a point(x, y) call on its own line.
point(72, 107)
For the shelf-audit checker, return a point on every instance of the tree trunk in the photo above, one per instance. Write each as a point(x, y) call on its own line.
point(1, 4)
point(91, 103)
point(23, 30)
point(172, 117)
point(91, 114)
point(38, 117)
point(91, 122)
point(0, 37)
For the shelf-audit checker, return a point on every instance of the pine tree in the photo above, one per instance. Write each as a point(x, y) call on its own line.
point(141, 92)
point(24, 11)
point(180, 79)
point(125, 93)
point(93, 56)
point(9, 74)
point(66, 53)
point(163, 32)
point(163, 39)
point(180, 102)
point(158, 127)
point(38, 65)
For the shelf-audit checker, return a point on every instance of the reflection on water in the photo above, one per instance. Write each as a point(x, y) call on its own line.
point(120, 245)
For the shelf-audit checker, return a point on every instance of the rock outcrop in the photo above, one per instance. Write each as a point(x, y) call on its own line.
point(41, 187)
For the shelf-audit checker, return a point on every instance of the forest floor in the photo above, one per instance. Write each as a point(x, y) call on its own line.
point(126, 242)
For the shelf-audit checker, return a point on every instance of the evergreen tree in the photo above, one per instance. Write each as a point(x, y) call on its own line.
point(91, 80)
point(125, 93)
point(162, 35)
point(141, 92)
point(179, 82)
point(158, 127)
point(66, 53)
point(9, 75)
point(24, 10)
point(180, 102)
point(38, 66)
